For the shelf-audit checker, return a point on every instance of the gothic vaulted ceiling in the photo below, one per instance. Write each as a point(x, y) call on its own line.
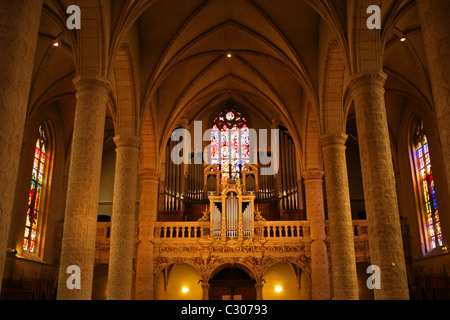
point(175, 56)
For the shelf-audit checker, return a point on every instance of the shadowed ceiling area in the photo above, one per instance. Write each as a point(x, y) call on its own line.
point(199, 55)
point(185, 60)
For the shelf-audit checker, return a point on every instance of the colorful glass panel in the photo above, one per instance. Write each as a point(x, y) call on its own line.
point(37, 179)
point(230, 145)
point(431, 207)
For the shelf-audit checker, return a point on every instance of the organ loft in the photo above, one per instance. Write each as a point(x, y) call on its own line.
point(224, 150)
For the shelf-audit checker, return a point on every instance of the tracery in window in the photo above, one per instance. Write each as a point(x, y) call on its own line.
point(428, 192)
point(36, 191)
point(230, 147)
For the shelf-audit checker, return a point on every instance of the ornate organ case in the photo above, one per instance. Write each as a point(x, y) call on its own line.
point(231, 208)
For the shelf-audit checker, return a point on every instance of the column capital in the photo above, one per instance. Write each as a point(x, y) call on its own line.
point(369, 79)
point(92, 83)
point(333, 140)
point(313, 174)
point(149, 174)
point(127, 141)
point(205, 286)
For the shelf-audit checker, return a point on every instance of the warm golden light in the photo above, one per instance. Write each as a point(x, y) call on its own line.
point(56, 44)
point(278, 289)
point(185, 290)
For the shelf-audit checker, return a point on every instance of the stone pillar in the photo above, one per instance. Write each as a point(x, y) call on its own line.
point(343, 261)
point(320, 278)
point(259, 290)
point(19, 27)
point(383, 220)
point(120, 275)
point(205, 290)
point(148, 210)
point(80, 220)
point(434, 18)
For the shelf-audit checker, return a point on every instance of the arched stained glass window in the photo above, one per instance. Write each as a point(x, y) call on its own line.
point(35, 195)
point(428, 192)
point(230, 147)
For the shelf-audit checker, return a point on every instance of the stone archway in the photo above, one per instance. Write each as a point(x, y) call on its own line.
point(232, 282)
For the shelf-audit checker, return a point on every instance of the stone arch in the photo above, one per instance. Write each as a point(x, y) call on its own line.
point(233, 279)
point(125, 90)
point(365, 48)
point(292, 278)
point(312, 153)
point(299, 262)
point(92, 56)
point(248, 268)
point(170, 278)
point(333, 91)
point(148, 158)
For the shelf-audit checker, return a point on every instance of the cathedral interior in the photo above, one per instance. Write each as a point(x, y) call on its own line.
point(313, 150)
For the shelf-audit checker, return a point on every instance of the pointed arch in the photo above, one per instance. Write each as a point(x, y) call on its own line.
point(312, 152)
point(127, 109)
point(333, 121)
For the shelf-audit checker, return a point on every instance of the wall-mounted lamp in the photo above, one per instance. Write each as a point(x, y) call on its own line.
point(278, 289)
point(185, 290)
point(11, 251)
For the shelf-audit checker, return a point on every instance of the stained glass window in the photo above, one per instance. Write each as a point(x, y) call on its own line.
point(34, 197)
point(433, 224)
point(230, 146)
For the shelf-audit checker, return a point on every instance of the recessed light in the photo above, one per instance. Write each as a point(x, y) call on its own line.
point(56, 44)
point(229, 55)
point(403, 39)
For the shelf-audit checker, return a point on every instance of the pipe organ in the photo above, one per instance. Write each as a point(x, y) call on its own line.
point(267, 187)
point(232, 213)
point(194, 184)
point(216, 216)
point(174, 182)
point(287, 174)
point(247, 220)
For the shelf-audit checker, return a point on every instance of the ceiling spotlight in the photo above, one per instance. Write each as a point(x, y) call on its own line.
point(403, 39)
point(229, 55)
point(56, 44)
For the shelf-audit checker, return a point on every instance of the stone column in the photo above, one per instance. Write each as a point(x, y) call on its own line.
point(320, 277)
point(259, 290)
point(434, 18)
point(259, 287)
point(19, 27)
point(120, 274)
point(80, 220)
point(383, 220)
point(343, 261)
point(205, 291)
point(148, 210)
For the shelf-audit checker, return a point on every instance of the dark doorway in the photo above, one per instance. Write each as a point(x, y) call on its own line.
point(232, 284)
